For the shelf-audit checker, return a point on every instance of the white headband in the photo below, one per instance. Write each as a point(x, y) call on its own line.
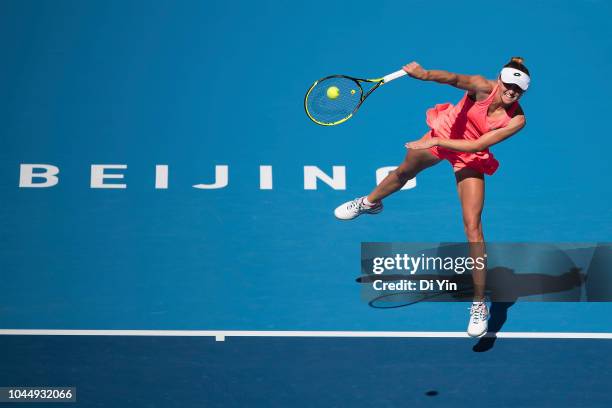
point(514, 76)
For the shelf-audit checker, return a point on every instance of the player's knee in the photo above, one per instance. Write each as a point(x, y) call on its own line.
point(473, 230)
point(403, 174)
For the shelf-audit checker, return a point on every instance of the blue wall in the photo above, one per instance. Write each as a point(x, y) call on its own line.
point(194, 84)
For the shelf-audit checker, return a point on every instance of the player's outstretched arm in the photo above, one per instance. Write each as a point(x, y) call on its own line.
point(470, 83)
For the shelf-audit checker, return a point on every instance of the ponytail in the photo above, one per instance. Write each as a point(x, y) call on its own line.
point(517, 63)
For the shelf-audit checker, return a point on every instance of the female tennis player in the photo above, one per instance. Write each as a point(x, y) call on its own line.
point(487, 114)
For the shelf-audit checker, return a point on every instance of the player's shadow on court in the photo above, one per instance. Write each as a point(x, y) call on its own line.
point(560, 281)
point(503, 285)
point(504, 288)
point(499, 315)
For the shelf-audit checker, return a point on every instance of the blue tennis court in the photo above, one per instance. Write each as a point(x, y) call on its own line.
point(166, 206)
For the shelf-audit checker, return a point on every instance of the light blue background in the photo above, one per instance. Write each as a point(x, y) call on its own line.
point(193, 84)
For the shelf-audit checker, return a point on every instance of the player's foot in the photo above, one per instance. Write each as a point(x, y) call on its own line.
point(479, 314)
point(353, 209)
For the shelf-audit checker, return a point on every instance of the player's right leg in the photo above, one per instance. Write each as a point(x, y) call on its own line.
point(414, 162)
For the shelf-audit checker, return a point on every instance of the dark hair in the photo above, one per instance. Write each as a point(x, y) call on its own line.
point(517, 63)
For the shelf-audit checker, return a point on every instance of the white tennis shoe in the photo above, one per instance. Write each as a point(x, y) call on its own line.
point(479, 314)
point(354, 208)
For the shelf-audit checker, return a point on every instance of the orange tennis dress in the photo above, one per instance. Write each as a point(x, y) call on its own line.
point(467, 120)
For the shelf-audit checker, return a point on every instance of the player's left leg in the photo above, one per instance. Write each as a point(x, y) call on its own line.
point(414, 162)
point(471, 189)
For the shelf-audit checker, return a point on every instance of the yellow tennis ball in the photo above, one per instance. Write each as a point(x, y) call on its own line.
point(333, 92)
point(353, 92)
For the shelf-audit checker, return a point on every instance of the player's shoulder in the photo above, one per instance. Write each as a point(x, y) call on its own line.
point(519, 110)
point(518, 117)
point(482, 87)
point(483, 84)
point(490, 84)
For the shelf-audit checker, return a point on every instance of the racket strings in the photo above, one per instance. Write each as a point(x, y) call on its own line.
point(328, 105)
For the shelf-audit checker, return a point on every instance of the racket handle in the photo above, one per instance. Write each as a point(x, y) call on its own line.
point(394, 75)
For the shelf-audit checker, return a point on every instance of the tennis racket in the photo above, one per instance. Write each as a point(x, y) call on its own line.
point(335, 99)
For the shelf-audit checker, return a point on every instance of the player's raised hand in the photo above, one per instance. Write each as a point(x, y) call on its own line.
point(415, 70)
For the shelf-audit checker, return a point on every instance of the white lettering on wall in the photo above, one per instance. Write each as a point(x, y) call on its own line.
point(265, 177)
point(161, 176)
point(221, 179)
point(98, 175)
point(337, 181)
point(27, 174)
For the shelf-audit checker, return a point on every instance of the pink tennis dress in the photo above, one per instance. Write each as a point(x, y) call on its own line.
point(467, 120)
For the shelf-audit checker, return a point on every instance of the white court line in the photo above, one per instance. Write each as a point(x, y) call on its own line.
point(220, 335)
